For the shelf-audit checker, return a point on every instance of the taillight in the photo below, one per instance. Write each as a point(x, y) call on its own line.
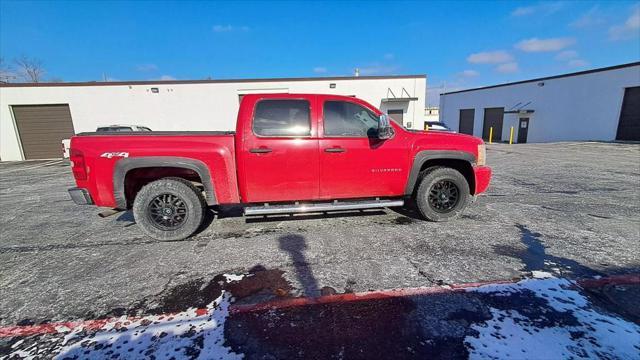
point(77, 164)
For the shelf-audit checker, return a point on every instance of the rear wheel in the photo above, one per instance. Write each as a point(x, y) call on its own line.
point(169, 209)
point(443, 194)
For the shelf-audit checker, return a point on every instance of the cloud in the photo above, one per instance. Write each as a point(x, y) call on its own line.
point(629, 29)
point(566, 55)
point(490, 57)
point(578, 63)
point(508, 68)
point(147, 67)
point(389, 56)
point(546, 8)
point(167, 77)
point(523, 10)
point(544, 45)
point(229, 28)
point(572, 58)
point(320, 70)
point(469, 73)
point(590, 18)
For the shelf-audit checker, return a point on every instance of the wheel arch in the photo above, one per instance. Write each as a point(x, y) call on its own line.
point(126, 165)
point(459, 160)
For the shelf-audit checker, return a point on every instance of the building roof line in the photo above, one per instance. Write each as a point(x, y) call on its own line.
point(216, 81)
point(615, 67)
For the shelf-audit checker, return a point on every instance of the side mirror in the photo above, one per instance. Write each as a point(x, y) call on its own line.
point(385, 131)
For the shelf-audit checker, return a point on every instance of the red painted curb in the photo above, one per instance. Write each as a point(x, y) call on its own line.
point(51, 328)
point(62, 327)
point(370, 295)
point(628, 279)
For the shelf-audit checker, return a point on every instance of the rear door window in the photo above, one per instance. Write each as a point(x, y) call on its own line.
point(282, 118)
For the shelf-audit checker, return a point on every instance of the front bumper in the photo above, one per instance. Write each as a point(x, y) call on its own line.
point(80, 196)
point(483, 178)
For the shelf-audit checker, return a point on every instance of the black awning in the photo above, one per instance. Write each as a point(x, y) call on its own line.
point(404, 99)
point(528, 111)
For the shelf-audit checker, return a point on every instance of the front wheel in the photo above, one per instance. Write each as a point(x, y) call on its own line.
point(169, 209)
point(443, 194)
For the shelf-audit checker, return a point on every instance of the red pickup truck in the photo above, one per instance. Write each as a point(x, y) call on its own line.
point(290, 153)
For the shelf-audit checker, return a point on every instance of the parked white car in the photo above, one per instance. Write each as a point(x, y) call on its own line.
point(66, 143)
point(437, 125)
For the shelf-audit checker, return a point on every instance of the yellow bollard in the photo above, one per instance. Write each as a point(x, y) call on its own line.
point(491, 135)
point(511, 136)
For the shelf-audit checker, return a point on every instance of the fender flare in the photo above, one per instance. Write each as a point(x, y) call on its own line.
point(123, 166)
point(426, 155)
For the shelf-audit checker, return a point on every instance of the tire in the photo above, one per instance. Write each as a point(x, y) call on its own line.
point(439, 182)
point(169, 209)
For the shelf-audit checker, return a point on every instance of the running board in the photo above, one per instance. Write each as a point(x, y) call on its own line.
point(320, 207)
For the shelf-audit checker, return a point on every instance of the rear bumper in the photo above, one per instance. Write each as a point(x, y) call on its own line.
point(483, 178)
point(80, 196)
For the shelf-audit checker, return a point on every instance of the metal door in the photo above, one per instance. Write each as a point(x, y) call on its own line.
point(523, 130)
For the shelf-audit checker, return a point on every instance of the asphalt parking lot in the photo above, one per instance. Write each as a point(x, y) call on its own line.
point(567, 208)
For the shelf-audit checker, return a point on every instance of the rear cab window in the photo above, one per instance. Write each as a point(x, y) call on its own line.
point(282, 118)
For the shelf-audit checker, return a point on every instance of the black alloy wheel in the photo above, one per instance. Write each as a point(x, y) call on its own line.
point(167, 211)
point(444, 196)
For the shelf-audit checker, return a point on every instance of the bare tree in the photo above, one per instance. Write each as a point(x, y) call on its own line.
point(6, 72)
point(30, 69)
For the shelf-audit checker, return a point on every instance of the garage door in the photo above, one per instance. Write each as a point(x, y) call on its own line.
point(397, 115)
point(493, 119)
point(629, 124)
point(466, 121)
point(41, 129)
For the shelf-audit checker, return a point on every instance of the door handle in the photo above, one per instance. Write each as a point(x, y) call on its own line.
point(260, 150)
point(335, 150)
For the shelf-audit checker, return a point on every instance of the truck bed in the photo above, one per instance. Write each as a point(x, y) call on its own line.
point(107, 154)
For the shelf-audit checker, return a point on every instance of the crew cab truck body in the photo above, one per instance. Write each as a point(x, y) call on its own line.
point(290, 153)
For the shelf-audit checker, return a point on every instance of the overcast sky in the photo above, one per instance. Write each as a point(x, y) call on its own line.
point(456, 44)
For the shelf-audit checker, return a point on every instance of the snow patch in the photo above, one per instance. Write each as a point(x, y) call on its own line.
point(541, 274)
point(511, 334)
point(233, 277)
point(194, 333)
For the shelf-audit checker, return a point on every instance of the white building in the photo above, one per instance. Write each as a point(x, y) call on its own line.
point(34, 118)
point(431, 114)
point(600, 104)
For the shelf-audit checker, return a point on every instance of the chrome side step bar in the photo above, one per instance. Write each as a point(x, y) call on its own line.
point(320, 207)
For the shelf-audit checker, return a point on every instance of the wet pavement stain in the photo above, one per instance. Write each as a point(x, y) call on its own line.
point(258, 284)
point(403, 220)
point(399, 220)
point(250, 233)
